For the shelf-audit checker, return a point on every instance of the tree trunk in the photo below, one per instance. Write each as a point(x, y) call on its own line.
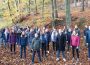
point(55, 9)
point(43, 10)
point(75, 3)
point(29, 6)
point(83, 8)
point(68, 15)
point(53, 18)
point(36, 6)
point(10, 11)
point(16, 2)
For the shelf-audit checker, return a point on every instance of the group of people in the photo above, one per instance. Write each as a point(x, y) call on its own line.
point(38, 41)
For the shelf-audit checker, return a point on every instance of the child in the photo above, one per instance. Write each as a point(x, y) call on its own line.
point(75, 42)
point(23, 44)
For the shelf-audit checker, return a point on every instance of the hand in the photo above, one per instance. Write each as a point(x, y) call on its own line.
point(84, 37)
point(77, 47)
point(71, 46)
point(66, 41)
point(87, 44)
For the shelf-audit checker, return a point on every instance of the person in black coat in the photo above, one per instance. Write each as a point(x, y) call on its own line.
point(68, 38)
point(60, 46)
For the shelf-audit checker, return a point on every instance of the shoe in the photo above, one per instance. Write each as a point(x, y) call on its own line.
point(57, 59)
point(88, 59)
point(47, 51)
point(32, 62)
point(77, 59)
point(72, 59)
point(64, 59)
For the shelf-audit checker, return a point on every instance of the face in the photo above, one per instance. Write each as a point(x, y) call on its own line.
point(74, 33)
point(23, 33)
point(86, 26)
point(31, 30)
point(12, 30)
point(36, 35)
point(69, 30)
point(76, 26)
point(60, 31)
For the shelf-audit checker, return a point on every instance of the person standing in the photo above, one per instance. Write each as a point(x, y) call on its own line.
point(68, 38)
point(75, 43)
point(12, 41)
point(6, 37)
point(30, 36)
point(43, 42)
point(54, 38)
point(36, 46)
point(23, 44)
point(88, 42)
point(48, 38)
point(61, 42)
point(85, 32)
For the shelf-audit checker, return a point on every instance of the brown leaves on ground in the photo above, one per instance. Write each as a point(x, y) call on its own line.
point(6, 58)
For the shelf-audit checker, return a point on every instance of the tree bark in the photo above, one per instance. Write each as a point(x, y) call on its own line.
point(55, 9)
point(68, 14)
point(36, 6)
point(29, 7)
point(83, 7)
point(10, 11)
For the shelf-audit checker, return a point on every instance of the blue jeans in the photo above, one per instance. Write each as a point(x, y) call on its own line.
point(88, 52)
point(58, 54)
point(33, 55)
point(23, 48)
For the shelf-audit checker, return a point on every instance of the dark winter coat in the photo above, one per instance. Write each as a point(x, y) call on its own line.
point(12, 38)
point(23, 41)
point(61, 42)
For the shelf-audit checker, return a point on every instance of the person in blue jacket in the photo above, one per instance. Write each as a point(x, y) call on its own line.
point(85, 31)
point(68, 38)
point(1, 37)
point(30, 36)
point(6, 37)
point(23, 44)
point(18, 34)
point(48, 39)
point(43, 42)
point(88, 42)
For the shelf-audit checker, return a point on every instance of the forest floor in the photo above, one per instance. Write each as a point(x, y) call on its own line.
point(6, 58)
